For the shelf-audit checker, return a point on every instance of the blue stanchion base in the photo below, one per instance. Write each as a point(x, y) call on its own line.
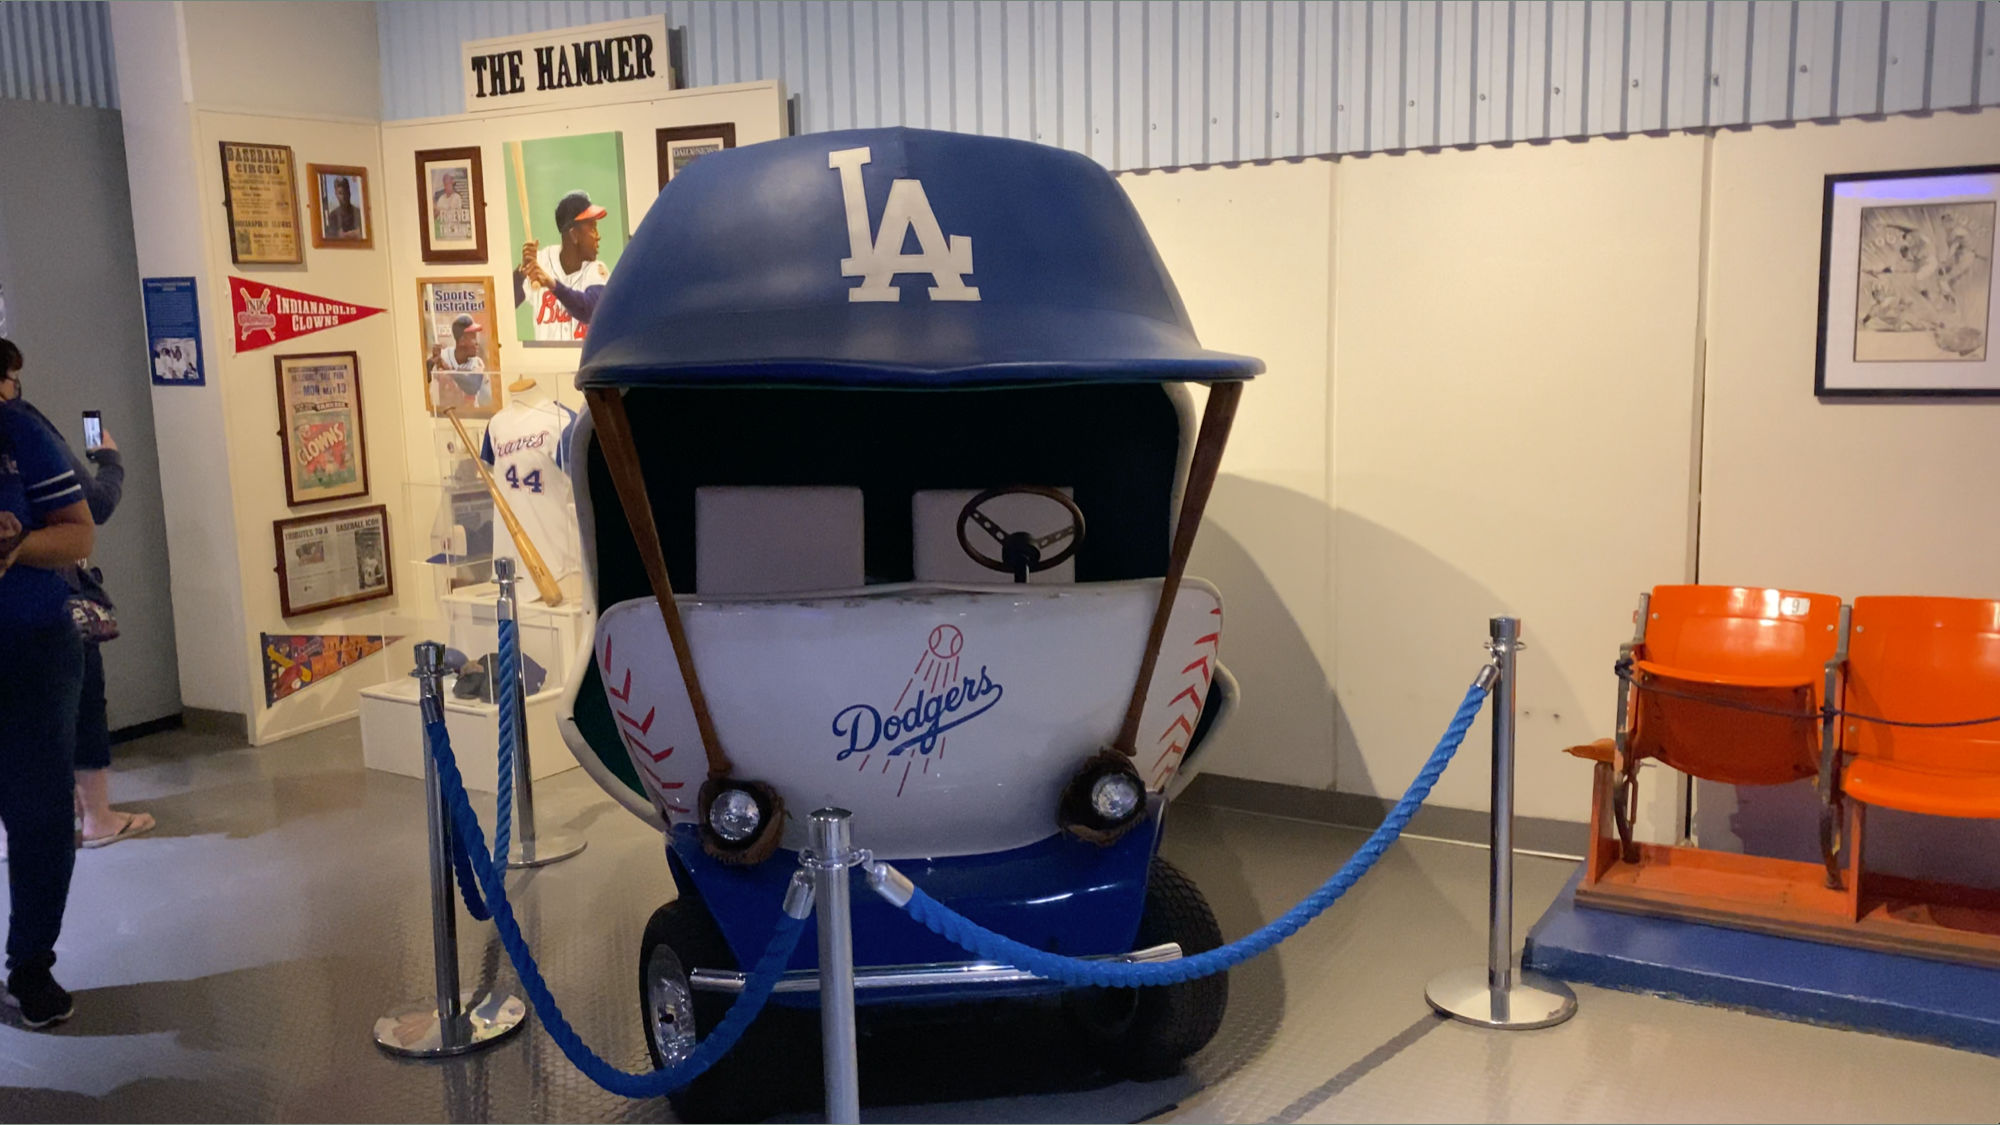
point(1806, 981)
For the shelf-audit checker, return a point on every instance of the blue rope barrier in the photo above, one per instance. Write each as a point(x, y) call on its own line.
point(461, 862)
point(506, 693)
point(1111, 974)
point(651, 1084)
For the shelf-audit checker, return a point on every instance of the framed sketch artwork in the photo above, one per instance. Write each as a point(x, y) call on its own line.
point(451, 205)
point(1906, 304)
point(682, 143)
point(340, 215)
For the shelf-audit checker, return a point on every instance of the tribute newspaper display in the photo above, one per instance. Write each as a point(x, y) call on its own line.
point(332, 559)
point(260, 193)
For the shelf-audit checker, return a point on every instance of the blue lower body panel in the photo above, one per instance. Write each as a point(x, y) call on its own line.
point(1058, 894)
point(1860, 989)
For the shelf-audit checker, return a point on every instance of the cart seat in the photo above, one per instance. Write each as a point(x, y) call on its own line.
point(1924, 660)
point(1729, 681)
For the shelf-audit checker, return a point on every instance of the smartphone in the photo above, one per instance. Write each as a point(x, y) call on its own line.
point(93, 429)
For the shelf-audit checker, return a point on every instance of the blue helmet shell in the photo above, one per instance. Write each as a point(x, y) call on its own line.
point(1003, 263)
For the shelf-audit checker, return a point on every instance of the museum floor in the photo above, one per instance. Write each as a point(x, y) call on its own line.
point(229, 967)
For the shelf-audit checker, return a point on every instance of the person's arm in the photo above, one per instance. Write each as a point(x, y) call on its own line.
point(104, 488)
point(580, 303)
point(65, 536)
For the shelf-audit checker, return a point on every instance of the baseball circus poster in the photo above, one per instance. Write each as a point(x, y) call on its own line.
point(566, 226)
point(461, 361)
point(266, 314)
point(319, 406)
point(294, 662)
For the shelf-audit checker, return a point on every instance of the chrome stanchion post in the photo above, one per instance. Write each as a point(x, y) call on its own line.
point(451, 1022)
point(1495, 995)
point(831, 858)
point(531, 849)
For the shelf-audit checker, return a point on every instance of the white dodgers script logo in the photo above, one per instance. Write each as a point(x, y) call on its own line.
point(876, 261)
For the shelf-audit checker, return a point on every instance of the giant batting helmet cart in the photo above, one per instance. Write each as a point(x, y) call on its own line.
point(828, 356)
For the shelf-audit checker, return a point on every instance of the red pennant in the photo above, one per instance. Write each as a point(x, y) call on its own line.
point(295, 662)
point(267, 314)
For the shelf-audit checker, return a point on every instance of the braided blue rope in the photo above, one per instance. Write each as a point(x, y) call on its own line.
point(506, 693)
point(652, 1084)
point(461, 862)
point(1111, 974)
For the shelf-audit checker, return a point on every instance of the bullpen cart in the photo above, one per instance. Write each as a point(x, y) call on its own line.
point(889, 477)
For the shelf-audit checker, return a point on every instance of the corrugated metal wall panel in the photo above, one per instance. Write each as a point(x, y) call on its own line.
point(1145, 85)
point(57, 51)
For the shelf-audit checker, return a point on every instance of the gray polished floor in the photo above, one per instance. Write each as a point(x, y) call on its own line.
point(229, 967)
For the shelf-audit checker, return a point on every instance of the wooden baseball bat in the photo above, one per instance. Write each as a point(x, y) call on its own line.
point(521, 190)
point(545, 583)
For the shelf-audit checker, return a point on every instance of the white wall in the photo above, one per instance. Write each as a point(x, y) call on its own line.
point(1248, 249)
point(311, 58)
point(160, 161)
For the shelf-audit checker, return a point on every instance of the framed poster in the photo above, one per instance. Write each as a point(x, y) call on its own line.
point(1906, 304)
point(260, 196)
point(565, 229)
point(173, 331)
point(333, 559)
point(319, 422)
point(451, 204)
point(461, 362)
point(340, 215)
point(682, 143)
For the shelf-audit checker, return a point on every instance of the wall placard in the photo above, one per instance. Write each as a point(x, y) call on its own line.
point(622, 61)
point(173, 331)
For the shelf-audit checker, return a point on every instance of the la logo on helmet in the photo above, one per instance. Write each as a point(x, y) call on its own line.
point(876, 261)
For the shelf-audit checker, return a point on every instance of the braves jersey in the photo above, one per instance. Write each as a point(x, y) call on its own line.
point(552, 320)
point(528, 449)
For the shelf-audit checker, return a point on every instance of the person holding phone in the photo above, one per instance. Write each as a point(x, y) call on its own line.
point(102, 489)
point(45, 525)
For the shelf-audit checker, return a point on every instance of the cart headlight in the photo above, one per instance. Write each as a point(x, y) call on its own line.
point(1115, 796)
point(1104, 800)
point(734, 815)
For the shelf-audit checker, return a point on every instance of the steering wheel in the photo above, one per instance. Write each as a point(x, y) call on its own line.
point(1020, 553)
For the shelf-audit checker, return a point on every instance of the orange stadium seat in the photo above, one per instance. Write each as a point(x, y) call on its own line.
point(1924, 660)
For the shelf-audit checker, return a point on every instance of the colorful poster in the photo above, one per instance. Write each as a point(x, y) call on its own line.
point(267, 314)
point(566, 226)
point(294, 662)
point(319, 410)
point(461, 346)
point(173, 331)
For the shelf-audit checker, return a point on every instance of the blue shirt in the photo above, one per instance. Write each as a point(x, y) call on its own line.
point(35, 480)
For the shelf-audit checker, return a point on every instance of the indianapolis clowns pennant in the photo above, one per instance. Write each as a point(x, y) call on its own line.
point(267, 314)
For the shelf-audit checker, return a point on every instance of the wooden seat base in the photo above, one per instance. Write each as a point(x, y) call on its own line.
point(1786, 897)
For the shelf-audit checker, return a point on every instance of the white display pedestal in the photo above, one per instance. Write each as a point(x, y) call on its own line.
point(392, 734)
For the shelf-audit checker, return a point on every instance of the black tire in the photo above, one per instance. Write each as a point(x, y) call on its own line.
point(1148, 1032)
point(743, 1085)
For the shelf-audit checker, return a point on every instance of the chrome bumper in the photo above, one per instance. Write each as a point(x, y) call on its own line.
point(948, 975)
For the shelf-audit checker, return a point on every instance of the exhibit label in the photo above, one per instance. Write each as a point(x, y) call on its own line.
point(267, 314)
point(622, 61)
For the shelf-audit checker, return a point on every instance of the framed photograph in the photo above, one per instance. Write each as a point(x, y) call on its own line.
point(319, 422)
point(683, 143)
point(333, 559)
point(1906, 304)
point(461, 361)
point(566, 227)
point(451, 205)
point(340, 216)
point(260, 195)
